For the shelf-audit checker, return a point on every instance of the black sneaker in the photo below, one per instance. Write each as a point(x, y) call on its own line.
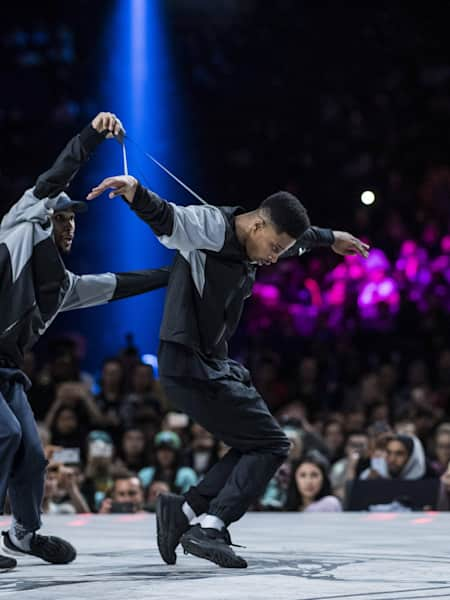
point(171, 523)
point(213, 545)
point(49, 548)
point(7, 563)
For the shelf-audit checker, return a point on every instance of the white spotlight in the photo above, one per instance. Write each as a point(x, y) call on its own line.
point(368, 197)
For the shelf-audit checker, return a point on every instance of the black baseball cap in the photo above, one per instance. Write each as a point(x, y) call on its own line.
point(64, 202)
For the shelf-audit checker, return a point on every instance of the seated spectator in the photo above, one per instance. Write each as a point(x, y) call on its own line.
point(202, 452)
point(125, 496)
point(66, 429)
point(111, 396)
point(274, 497)
point(178, 423)
point(404, 459)
point(62, 495)
point(99, 471)
point(132, 453)
point(441, 449)
point(76, 396)
point(167, 465)
point(346, 469)
point(309, 489)
point(333, 436)
point(145, 391)
point(155, 489)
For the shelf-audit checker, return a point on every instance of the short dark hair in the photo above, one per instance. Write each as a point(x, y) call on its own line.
point(287, 214)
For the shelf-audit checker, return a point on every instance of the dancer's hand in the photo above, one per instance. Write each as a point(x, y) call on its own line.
point(123, 185)
point(106, 121)
point(347, 244)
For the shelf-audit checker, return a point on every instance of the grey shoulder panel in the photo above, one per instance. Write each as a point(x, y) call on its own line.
point(196, 228)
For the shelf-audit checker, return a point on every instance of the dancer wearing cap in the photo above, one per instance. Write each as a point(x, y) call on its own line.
point(34, 287)
point(219, 250)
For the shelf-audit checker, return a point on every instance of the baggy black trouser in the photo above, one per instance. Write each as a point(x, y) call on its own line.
point(234, 412)
point(22, 460)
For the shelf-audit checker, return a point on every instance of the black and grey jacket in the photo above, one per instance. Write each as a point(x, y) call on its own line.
point(34, 283)
point(211, 276)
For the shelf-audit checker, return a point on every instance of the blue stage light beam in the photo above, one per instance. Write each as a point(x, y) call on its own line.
point(138, 84)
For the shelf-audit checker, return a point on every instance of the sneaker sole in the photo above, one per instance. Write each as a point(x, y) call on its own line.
point(9, 551)
point(22, 553)
point(163, 550)
point(227, 562)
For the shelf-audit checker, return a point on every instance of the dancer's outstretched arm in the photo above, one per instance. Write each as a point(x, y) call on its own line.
point(188, 228)
point(91, 290)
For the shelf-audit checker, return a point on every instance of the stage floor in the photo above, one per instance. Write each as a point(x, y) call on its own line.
point(355, 556)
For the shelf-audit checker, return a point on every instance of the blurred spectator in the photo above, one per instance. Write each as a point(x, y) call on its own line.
point(99, 471)
point(202, 450)
point(154, 490)
point(110, 398)
point(404, 459)
point(274, 497)
point(441, 449)
point(62, 493)
point(167, 465)
point(132, 453)
point(146, 393)
point(348, 468)
point(125, 496)
point(309, 488)
point(333, 436)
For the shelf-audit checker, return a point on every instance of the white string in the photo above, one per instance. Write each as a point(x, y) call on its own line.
point(166, 170)
point(124, 155)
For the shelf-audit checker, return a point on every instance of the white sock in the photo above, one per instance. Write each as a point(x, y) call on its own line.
point(20, 536)
point(190, 514)
point(212, 522)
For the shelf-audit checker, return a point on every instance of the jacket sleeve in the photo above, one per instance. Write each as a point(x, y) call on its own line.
point(314, 237)
point(92, 290)
point(66, 166)
point(182, 228)
point(34, 205)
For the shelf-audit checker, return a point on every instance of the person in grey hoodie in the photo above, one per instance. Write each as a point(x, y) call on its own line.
point(34, 287)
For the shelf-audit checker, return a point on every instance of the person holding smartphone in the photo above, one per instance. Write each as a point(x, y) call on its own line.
point(34, 287)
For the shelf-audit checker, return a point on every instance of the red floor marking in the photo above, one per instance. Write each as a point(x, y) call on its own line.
point(7, 522)
point(380, 517)
point(82, 520)
point(422, 521)
point(132, 518)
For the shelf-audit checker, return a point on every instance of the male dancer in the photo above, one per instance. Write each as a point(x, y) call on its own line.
point(219, 250)
point(34, 287)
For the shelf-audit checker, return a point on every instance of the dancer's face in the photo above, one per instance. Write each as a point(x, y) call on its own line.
point(264, 245)
point(64, 229)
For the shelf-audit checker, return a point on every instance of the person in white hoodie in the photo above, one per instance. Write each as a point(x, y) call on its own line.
point(404, 459)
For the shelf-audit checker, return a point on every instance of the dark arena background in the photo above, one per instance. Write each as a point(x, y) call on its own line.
point(347, 106)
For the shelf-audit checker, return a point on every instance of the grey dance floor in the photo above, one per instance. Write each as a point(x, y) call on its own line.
point(355, 556)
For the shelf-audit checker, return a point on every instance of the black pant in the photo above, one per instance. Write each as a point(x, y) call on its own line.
point(234, 412)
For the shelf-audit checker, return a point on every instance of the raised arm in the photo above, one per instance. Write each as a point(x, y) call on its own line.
point(183, 228)
point(92, 290)
point(75, 153)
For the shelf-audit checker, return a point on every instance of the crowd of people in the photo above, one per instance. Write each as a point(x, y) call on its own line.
point(114, 444)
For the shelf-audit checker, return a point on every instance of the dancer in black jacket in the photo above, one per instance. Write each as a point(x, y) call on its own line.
point(219, 250)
